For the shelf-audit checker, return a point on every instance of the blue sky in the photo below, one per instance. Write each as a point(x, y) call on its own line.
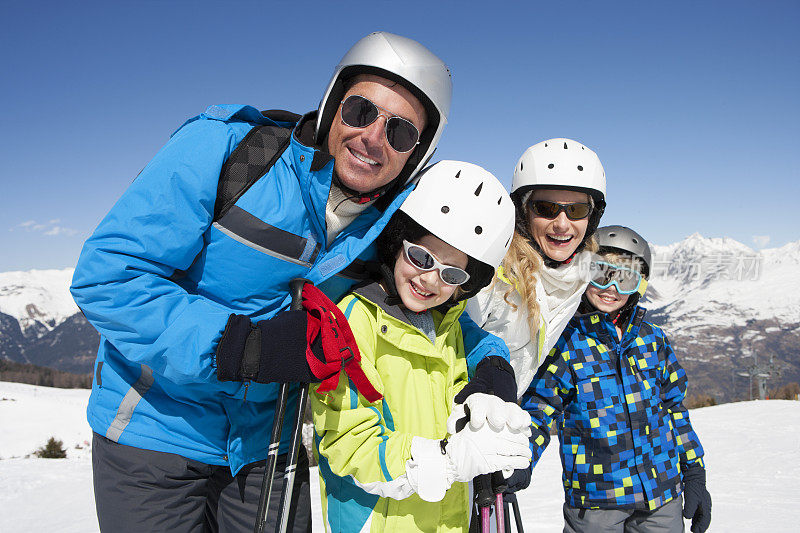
point(692, 107)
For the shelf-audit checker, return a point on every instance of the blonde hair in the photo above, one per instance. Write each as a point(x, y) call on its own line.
point(521, 266)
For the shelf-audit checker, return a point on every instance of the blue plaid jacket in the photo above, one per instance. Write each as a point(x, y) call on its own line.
point(624, 432)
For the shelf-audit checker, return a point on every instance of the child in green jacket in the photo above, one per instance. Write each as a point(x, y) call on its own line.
point(394, 464)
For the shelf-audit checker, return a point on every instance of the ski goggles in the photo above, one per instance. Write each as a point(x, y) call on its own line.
point(546, 209)
point(626, 280)
point(359, 112)
point(422, 259)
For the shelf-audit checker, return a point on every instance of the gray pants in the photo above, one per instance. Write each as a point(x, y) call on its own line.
point(141, 490)
point(666, 519)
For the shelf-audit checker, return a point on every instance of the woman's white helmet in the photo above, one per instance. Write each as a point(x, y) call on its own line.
point(561, 164)
point(465, 206)
point(406, 62)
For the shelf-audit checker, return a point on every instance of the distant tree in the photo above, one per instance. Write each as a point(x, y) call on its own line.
point(699, 400)
point(790, 391)
point(54, 449)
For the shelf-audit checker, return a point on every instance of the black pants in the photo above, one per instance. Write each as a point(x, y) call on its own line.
point(141, 490)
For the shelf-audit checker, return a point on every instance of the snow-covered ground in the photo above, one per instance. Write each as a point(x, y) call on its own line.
point(752, 451)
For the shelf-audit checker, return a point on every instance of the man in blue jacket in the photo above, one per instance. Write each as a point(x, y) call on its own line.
point(178, 285)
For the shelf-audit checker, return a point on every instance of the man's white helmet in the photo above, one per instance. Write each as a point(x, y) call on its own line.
point(561, 164)
point(466, 207)
point(411, 65)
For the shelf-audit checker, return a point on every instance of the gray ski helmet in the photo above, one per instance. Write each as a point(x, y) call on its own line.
point(625, 240)
point(406, 62)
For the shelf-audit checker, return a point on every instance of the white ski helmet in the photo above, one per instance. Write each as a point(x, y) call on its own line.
point(466, 207)
point(560, 164)
point(406, 62)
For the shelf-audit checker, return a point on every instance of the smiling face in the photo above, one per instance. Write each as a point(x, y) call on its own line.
point(606, 300)
point(420, 290)
point(558, 237)
point(364, 161)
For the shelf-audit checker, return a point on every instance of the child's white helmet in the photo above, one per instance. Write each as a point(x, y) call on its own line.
point(465, 206)
point(561, 164)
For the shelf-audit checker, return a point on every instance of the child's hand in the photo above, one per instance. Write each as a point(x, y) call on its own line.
point(479, 409)
point(493, 375)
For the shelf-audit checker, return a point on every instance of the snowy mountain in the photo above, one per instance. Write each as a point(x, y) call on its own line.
point(38, 299)
point(722, 303)
point(719, 301)
point(752, 472)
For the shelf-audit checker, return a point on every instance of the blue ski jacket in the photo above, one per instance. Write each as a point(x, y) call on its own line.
point(625, 434)
point(159, 278)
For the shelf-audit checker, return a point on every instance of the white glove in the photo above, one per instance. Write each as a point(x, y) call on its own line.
point(435, 465)
point(474, 452)
point(489, 408)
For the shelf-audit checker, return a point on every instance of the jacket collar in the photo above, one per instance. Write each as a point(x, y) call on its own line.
point(600, 326)
point(374, 293)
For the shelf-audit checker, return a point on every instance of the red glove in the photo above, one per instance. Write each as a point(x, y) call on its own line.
point(338, 345)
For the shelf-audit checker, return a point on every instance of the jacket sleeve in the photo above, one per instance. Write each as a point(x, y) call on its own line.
point(550, 392)
point(673, 392)
point(479, 344)
point(354, 436)
point(122, 279)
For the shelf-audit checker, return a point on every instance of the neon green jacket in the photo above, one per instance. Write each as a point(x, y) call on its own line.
point(364, 449)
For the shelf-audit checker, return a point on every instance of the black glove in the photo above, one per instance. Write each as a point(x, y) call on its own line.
point(269, 351)
point(493, 375)
point(519, 480)
point(696, 499)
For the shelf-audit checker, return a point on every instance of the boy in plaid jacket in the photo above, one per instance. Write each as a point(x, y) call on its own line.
point(628, 450)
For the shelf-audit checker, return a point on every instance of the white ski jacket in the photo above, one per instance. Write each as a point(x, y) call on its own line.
point(558, 291)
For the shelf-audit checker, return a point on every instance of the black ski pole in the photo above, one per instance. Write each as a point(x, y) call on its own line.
point(517, 515)
point(296, 290)
point(294, 444)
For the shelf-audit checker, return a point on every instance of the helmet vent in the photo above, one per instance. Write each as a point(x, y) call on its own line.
point(612, 234)
point(520, 165)
point(445, 209)
point(478, 230)
point(545, 145)
point(478, 190)
point(580, 167)
point(565, 146)
point(551, 165)
point(499, 200)
point(508, 241)
point(458, 174)
point(635, 241)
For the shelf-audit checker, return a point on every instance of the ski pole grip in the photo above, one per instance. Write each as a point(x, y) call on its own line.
point(296, 290)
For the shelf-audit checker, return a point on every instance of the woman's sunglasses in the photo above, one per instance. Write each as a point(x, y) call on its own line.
point(422, 259)
point(603, 275)
point(358, 112)
point(545, 209)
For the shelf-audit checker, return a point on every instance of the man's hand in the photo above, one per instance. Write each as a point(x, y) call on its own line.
point(269, 351)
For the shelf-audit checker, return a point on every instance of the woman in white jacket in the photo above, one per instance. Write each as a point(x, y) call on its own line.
point(559, 191)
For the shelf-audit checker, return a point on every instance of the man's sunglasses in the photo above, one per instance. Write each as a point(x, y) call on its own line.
point(545, 209)
point(603, 275)
point(358, 112)
point(421, 258)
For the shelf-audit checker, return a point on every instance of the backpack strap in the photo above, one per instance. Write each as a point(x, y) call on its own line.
point(252, 159)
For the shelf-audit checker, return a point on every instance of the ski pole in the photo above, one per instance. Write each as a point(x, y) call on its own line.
point(484, 497)
point(297, 436)
point(296, 290)
point(499, 515)
point(499, 486)
point(517, 516)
